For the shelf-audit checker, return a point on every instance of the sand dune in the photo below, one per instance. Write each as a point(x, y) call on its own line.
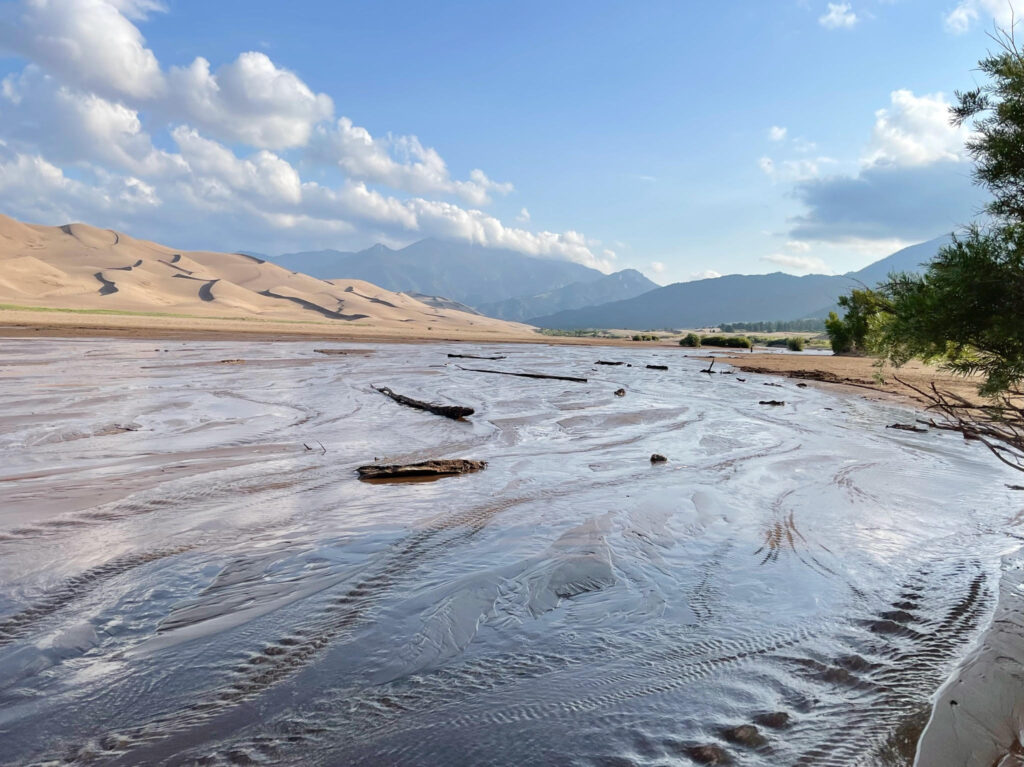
point(77, 266)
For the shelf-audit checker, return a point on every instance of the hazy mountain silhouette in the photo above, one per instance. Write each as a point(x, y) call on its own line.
point(613, 287)
point(467, 273)
point(737, 297)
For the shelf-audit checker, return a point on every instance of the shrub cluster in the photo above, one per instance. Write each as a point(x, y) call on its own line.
point(645, 337)
point(795, 344)
point(690, 339)
point(731, 342)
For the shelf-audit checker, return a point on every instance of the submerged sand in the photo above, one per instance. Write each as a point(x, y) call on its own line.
point(192, 571)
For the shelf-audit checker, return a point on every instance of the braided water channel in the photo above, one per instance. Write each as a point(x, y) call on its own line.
point(191, 573)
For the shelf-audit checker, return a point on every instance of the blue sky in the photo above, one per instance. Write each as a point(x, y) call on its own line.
point(683, 139)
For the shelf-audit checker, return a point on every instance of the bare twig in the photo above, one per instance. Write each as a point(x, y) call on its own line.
point(525, 375)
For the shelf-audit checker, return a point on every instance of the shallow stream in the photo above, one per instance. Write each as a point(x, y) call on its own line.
point(190, 572)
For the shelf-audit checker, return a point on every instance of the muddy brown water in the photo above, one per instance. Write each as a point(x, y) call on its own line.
point(182, 582)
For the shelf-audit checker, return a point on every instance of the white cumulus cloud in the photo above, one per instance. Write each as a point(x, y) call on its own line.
point(838, 16)
point(915, 130)
point(777, 133)
point(89, 43)
point(249, 100)
point(76, 128)
point(967, 12)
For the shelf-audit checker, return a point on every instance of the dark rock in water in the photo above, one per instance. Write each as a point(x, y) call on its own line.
point(774, 402)
point(620, 392)
point(907, 427)
point(658, 458)
point(709, 754)
point(745, 735)
point(657, 367)
point(777, 720)
point(801, 385)
point(436, 468)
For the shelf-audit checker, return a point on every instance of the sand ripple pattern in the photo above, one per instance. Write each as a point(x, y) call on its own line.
point(184, 582)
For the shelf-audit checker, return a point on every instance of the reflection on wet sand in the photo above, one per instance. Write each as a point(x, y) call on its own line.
point(202, 588)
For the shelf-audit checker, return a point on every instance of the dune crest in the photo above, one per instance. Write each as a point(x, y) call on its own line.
point(77, 266)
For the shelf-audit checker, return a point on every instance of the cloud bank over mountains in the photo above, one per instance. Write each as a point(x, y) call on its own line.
point(911, 181)
point(94, 127)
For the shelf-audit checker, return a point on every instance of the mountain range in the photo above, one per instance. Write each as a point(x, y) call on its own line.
point(509, 285)
point(463, 272)
point(738, 297)
point(612, 287)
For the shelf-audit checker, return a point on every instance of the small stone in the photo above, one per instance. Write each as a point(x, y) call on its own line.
point(709, 754)
point(777, 720)
point(745, 735)
point(658, 458)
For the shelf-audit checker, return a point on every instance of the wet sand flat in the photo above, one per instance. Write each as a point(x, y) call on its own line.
point(187, 577)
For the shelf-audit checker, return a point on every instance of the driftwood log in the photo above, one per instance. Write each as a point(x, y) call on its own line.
point(609, 362)
point(438, 468)
point(454, 412)
point(474, 357)
point(657, 367)
point(774, 402)
point(525, 375)
point(708, 369)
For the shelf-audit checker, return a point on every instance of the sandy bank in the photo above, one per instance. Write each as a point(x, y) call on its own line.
point(856, 373)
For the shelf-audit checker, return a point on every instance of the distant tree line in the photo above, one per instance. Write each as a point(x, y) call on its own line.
point(811, 325)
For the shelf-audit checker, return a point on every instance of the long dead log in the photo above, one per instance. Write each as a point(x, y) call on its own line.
point(474, 357)
point(525, 375)
point(608, 362)
point(454, 412)
point(437, 468)
point(657, 367)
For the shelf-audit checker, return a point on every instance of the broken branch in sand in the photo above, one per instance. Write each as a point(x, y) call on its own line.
point(475, 357)
point(321, 444)
point(437, 468)
point(525, 375)
point(907, 427)
point(997, 423)
point(454, 412)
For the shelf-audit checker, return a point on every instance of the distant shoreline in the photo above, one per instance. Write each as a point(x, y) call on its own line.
point(852, 374)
